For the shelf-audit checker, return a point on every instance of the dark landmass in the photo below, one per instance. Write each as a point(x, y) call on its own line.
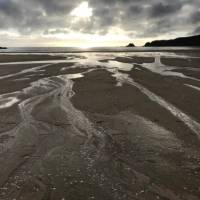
point(130, 45)
point(184, 41)
point(3, 47)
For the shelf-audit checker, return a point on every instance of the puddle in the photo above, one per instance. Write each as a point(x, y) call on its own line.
point(74, 76)
point(120, 66)
point(164, 70)
point(22, 79)
point(95, 61)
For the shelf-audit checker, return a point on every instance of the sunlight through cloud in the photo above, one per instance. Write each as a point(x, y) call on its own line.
point(82, 11)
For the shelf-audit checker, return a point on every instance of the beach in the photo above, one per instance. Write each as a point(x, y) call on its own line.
point(100, 125)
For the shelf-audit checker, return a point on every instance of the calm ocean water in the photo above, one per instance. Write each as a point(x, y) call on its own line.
point(96, 49)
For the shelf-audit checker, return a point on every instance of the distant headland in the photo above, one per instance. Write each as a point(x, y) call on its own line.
point(130, 45)
point(183, 41)
point(3, 47)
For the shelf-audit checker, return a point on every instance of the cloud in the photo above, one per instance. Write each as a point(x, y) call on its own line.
point(195, 18)
point(162, 9)
point(144, 18)
point(196, 31)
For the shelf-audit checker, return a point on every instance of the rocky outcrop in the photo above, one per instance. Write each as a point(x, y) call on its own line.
point(184, 41)
point(130, 45)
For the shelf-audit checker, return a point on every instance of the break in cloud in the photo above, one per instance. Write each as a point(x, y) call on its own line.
point(106, 22)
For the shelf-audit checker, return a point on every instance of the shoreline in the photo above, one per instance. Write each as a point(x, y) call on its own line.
point(60, 50)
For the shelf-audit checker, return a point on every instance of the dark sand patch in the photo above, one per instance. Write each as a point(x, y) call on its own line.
point(9, 118)
point(153, 155)
point(22, 58)
point(181, 62)
point(157, 154)
point(97, 93)
point(12, 69)
point(189, 73)
point(170, 88)
point(11, 84)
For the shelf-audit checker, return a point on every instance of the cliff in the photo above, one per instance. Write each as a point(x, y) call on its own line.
point(184, 41)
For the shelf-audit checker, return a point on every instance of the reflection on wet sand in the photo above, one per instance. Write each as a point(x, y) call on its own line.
point(194, 87)
point(7, 102)
point(164, 70)
point(64, 147)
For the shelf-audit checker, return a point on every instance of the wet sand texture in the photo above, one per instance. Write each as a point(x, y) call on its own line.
point(112, 126)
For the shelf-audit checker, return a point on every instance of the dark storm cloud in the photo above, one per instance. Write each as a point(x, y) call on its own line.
point(197, 31)
point(60, 7)
point(144, 18)
point(162, 9)
point(9, 8)
point(196, 17)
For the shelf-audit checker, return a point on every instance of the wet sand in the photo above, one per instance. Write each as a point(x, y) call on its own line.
point(27, 57)
point(100, 126)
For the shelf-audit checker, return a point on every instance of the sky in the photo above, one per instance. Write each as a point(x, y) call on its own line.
point(93, 23)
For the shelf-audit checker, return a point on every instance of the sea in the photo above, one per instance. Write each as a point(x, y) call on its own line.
point(94, 49)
